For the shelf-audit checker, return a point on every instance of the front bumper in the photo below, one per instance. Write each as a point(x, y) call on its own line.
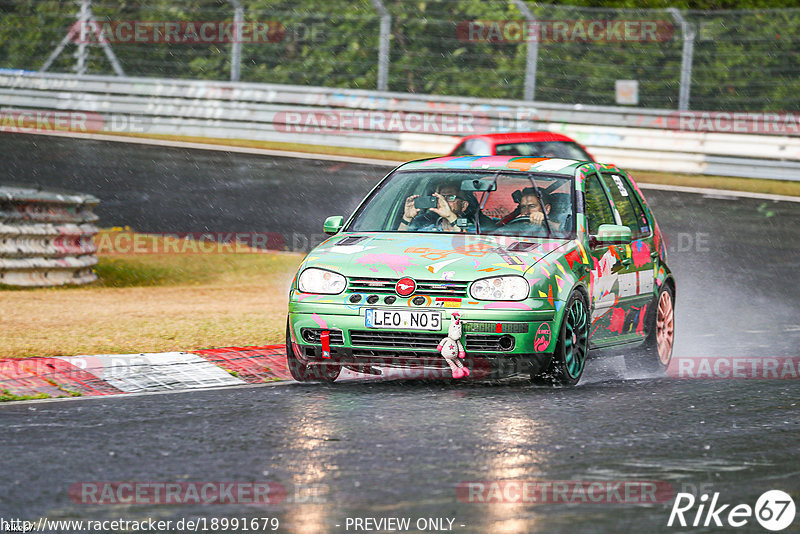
point(508, 338)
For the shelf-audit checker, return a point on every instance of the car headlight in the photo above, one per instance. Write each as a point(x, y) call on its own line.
point(500, 288)
point(314, 280)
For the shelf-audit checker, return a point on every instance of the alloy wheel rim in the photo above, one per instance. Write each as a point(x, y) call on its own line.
point(575, 338)
point(665, 328)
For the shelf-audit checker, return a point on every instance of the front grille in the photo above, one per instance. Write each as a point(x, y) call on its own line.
point(410, 340)
point(422, 340)
point(371, 285)
point(434, 288)
point(311, 335)
point(432, 355)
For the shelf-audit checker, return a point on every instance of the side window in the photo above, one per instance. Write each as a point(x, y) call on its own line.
point(478, 147)
point(473, 147)
point(628, 206)
point(598, 210)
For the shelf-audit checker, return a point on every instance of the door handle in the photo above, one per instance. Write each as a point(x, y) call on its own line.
point(626, 260)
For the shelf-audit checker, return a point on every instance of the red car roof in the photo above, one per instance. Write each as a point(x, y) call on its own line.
point(494, 139)
point(517, 137)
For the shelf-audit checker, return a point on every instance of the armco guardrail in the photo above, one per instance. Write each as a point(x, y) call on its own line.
point(632, 138)
point(46, 238)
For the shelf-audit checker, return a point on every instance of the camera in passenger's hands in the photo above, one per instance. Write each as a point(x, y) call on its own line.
point(425, 202)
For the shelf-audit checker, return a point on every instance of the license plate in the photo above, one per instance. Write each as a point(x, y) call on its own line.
point(406, 319)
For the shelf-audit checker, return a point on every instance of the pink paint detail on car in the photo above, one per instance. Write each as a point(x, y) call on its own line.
point(506, 305)
point(641, 253)
point(489, 162)
point(617, 320)
point(395, 262)
point(319, 320)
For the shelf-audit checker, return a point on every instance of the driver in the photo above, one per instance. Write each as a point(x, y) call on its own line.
point(451, 205)
point(530, 207)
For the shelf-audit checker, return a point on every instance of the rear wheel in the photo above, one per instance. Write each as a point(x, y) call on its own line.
point(656, 352)
point(302, 371)
point(569, 359)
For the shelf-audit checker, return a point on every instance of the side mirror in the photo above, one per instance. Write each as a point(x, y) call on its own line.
point(333, 224)
point(611, 234)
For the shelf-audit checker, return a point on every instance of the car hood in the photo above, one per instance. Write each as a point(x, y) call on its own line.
point(430, 256)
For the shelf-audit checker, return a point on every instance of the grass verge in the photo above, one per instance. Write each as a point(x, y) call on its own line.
point(750, 185)
point(389, 155)
point(155, 303)
point(7, 396)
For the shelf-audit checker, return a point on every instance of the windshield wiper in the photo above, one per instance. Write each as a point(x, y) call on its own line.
point(541, 203)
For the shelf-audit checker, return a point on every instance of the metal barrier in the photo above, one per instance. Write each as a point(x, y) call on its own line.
point(643, 139)
point(46, 238)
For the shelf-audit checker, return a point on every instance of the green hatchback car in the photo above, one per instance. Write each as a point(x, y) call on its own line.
point(524, 264)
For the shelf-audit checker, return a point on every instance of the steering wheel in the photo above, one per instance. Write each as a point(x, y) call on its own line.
point(519, 219)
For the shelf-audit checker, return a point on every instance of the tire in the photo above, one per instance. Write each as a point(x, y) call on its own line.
point(656, 352)
point(301, 371)
point(569, 358)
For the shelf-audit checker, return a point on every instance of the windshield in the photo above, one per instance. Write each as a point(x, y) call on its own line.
point(544, 149)
point(472, 202)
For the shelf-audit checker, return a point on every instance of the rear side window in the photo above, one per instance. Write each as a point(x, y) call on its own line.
point(461, 150)
point(598, 210)
point(544, 149)
point(473, 147)
point(628, 206)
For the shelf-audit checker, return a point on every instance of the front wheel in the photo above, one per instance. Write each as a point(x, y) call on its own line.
point(569, 359)
point(656, 352)
point(302, 371)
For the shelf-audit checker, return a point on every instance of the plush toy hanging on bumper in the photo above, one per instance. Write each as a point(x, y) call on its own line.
point(452, 349)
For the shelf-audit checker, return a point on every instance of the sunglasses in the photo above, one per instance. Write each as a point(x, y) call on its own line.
point(452, 198)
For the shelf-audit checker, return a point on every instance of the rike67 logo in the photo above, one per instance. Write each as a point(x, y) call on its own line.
point(774, 510)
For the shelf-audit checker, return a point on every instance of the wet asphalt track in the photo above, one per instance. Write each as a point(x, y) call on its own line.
point(400, 448)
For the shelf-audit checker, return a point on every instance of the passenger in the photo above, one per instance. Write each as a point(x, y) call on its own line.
point(452, 205)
